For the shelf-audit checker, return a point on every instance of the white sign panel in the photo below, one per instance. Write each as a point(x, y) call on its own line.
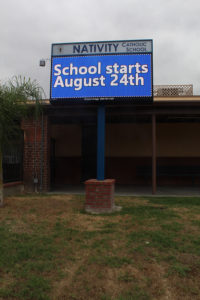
point(92, 48)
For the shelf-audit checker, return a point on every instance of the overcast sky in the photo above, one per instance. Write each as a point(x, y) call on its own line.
point(28, 28)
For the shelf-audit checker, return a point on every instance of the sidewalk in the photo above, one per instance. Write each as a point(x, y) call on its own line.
point(127, 190)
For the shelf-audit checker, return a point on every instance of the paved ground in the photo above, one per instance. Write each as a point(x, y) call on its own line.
point(136, 190)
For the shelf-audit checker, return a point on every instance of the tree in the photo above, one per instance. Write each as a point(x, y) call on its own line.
point(15, 96)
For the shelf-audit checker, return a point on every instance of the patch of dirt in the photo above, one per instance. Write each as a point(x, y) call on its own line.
point(6, 280)
point(162, 282)
point(61, 287)
point(87, 222)
point(40, 206)
point(196, 217)
point(181, 210)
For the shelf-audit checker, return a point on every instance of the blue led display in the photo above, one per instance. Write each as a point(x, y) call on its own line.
point(124, 75)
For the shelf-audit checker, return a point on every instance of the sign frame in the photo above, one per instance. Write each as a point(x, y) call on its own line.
point(106, 48)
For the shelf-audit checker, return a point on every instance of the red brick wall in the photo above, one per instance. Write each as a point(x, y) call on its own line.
point(99, 195)
point(36, 154)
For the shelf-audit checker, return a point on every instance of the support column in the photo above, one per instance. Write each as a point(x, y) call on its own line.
point(36, 154)
point(99, 196)
point(101, 142)
point(154, 183)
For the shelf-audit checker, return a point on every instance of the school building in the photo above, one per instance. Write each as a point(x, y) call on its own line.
point(152, 145)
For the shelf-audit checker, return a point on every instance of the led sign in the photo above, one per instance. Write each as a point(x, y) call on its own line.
point(102, 71)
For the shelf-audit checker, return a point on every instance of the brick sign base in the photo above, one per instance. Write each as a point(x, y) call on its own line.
point(100, 196)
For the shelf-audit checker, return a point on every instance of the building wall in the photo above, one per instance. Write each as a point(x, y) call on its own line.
point(128, 148)
point(128, 140)
point(67, 161)
point(178, 140)
point(68, 140)
point(134, 140)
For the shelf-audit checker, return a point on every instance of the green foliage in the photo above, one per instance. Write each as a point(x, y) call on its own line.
point(14, 96)
point(15, 247)
point(136, 293)
point(110, 261)
point(158, 239)
point(33, 288)
point(179, 269)
point(175, 201)
point(172, 227)
point(143, 212)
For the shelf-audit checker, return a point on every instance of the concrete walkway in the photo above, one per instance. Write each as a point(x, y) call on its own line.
point(126, 190)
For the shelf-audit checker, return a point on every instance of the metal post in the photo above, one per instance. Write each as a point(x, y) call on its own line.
point(154, 184)
point(101, 142)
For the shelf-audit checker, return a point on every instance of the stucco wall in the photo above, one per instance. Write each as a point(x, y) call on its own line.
point(128, 140)
point(178, 140)
point(135, 140)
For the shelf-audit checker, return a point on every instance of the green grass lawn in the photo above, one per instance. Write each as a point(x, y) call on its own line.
point(51, 249)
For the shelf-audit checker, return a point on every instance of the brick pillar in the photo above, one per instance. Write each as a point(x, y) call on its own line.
point(100, 196)
point(36, 154)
